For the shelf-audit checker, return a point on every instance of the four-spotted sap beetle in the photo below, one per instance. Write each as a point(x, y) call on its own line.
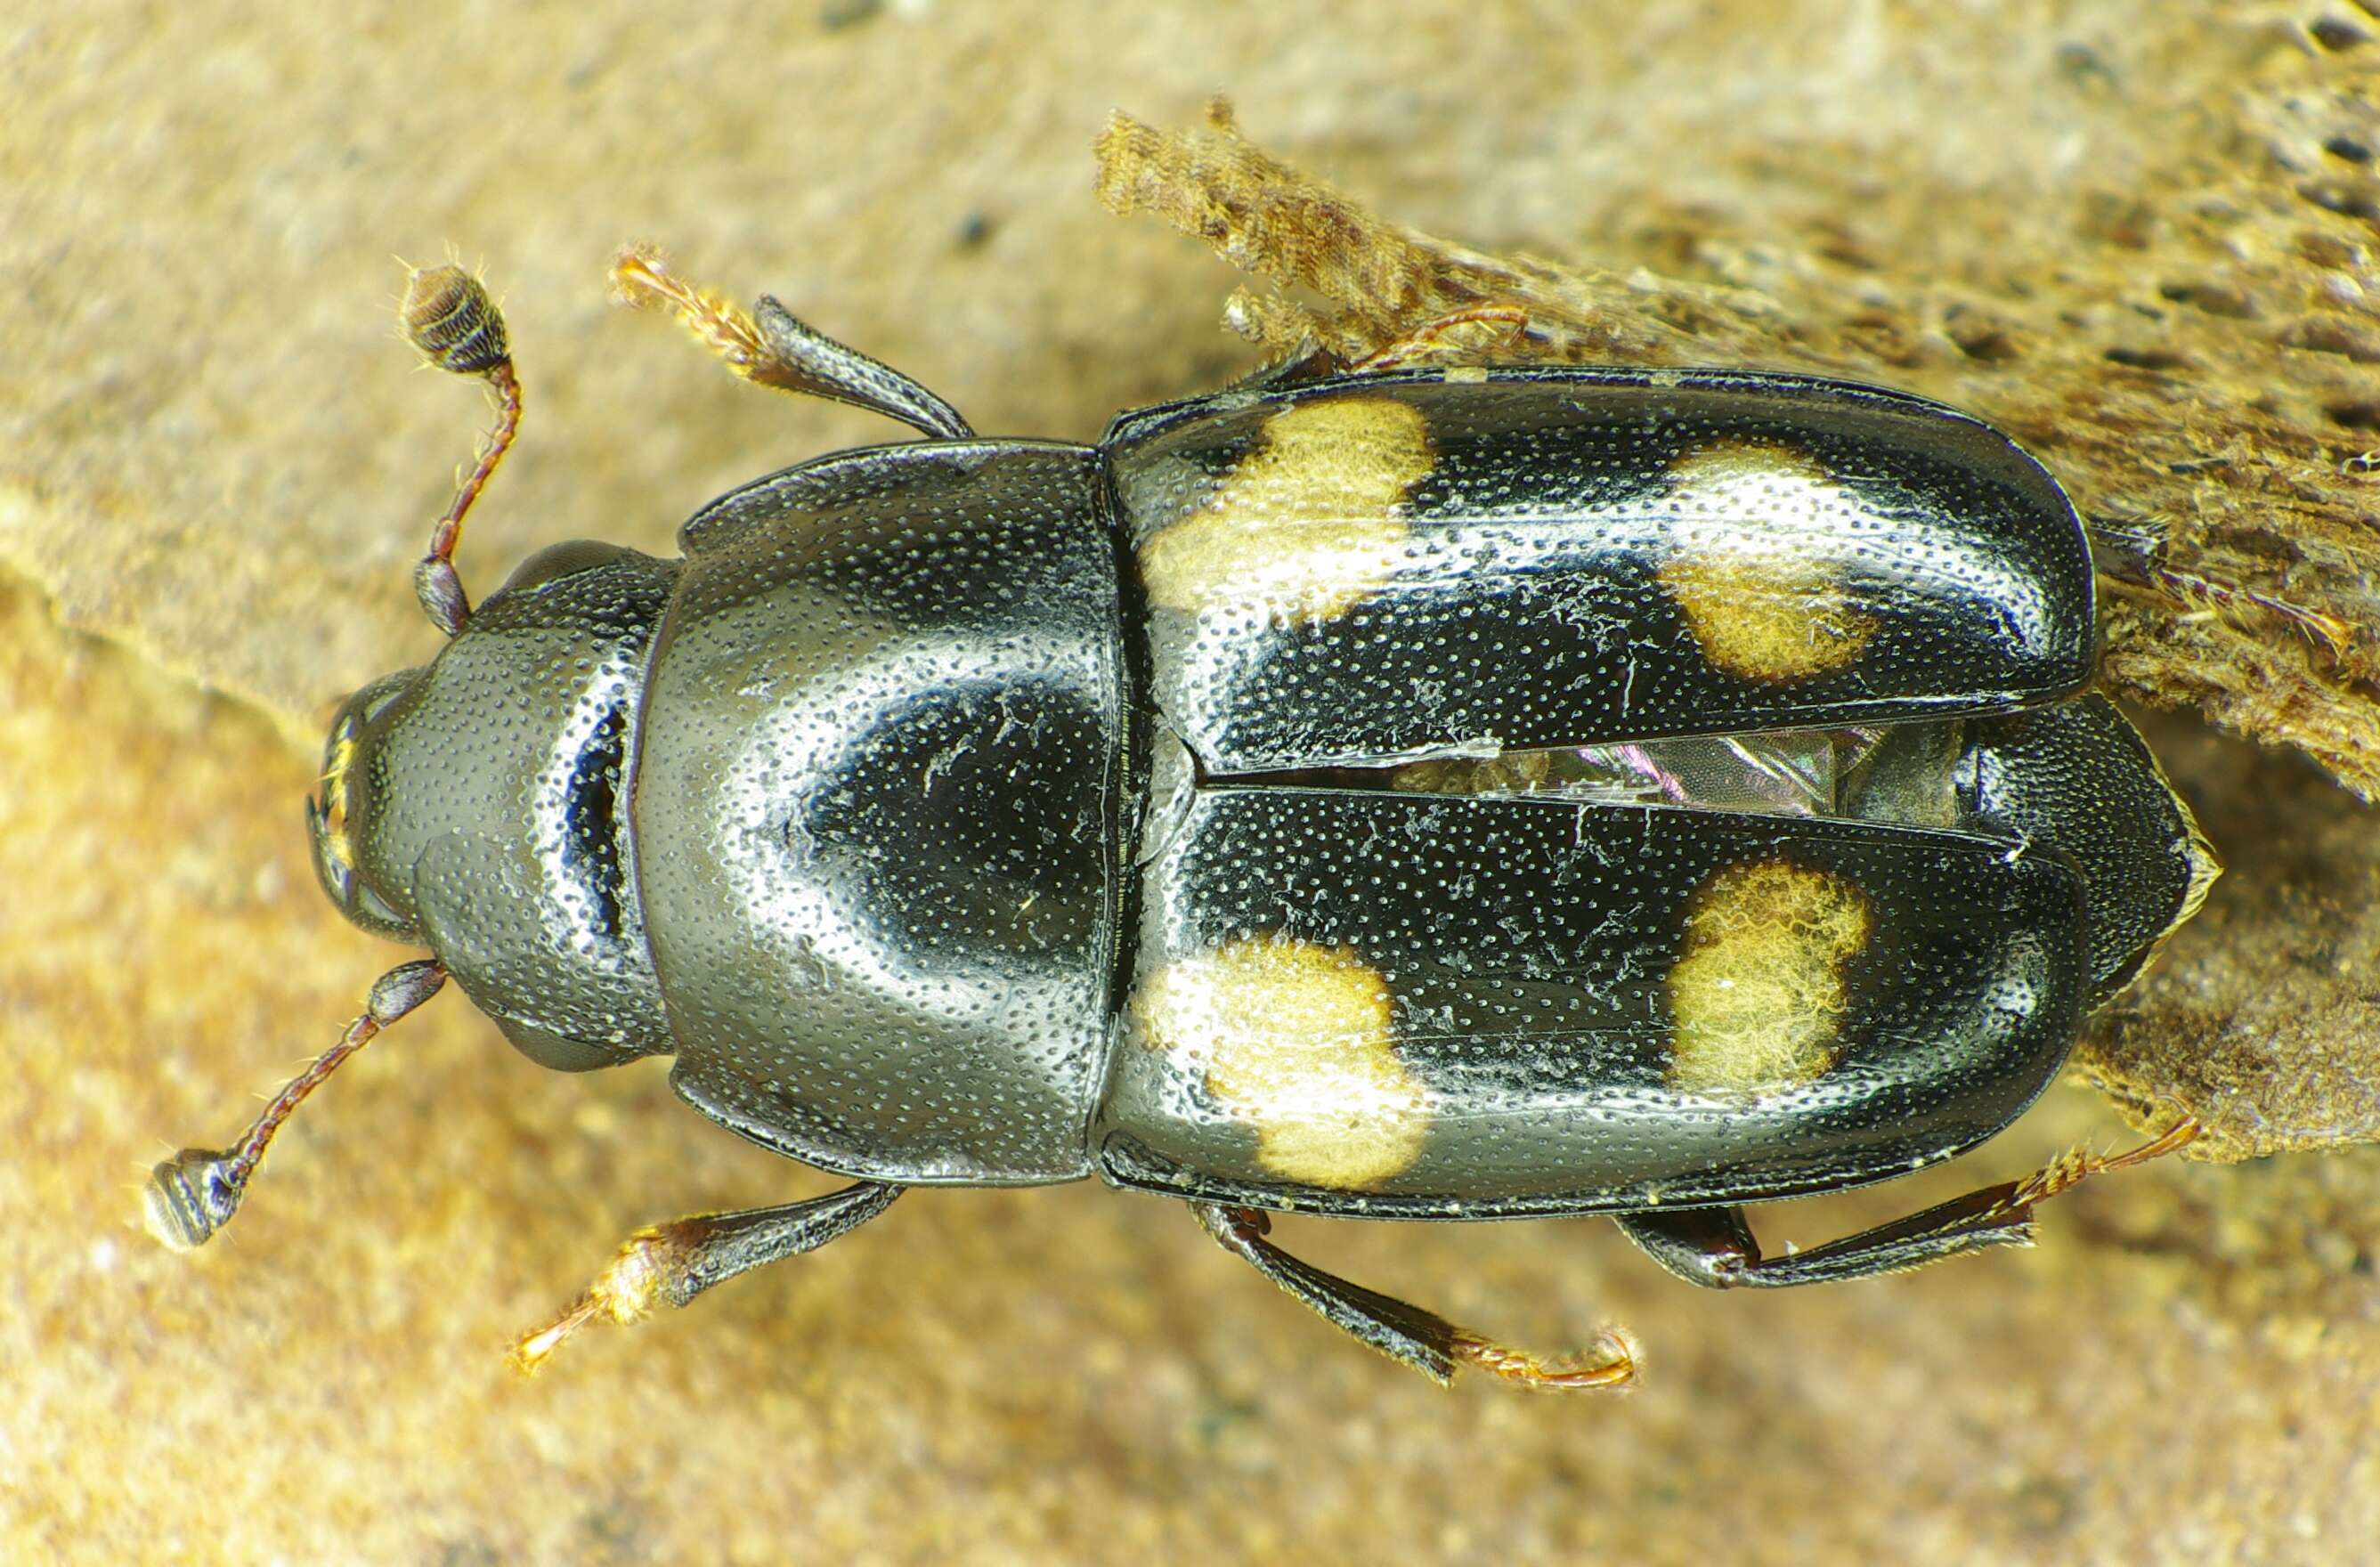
point(1414, 793)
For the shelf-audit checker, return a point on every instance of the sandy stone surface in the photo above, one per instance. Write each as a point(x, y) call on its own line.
point(216, 466)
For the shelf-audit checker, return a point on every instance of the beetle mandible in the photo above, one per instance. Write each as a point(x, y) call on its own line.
point(1400, 791)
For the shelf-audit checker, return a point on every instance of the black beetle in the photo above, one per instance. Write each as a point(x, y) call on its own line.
point(1412, 792)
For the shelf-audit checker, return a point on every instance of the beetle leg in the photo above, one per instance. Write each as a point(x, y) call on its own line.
point(1428, 1343)
point(670, 1264)
point(769, 346)
point(1306, 361)
point(448, 316)
point(1715, 1247)
point(1482, 331)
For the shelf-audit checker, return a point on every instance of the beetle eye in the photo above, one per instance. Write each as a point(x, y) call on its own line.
point(331, 862)
point(334, 866)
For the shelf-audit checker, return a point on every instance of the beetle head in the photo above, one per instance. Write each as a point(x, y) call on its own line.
point(480, 805)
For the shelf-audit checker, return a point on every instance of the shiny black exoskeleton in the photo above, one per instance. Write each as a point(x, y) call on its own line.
point(1425, 793)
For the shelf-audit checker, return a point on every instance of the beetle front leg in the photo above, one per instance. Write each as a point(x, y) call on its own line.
point(1428, 1343)
point(1715, 1247)
point(670, 1264)
point(769, 346)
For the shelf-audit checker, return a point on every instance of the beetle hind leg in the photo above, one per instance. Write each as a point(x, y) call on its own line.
point(1483, 332)
point(1715, 1247)
point(1428, 1343)
point(670, 1264)
point(1484, 335)
point(769, 346)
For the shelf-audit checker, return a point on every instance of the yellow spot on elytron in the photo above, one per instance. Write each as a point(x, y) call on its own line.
point(1758, 997)
point(1295, 1038)
point(1307, 525)
point(1756, 566)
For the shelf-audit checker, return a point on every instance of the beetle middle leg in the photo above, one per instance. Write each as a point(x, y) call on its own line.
point(670, 1264)
point(1715, 1247)
point(1423, 1339)
point(769, 346)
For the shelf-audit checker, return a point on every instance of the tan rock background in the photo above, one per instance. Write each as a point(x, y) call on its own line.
point(2138, 233)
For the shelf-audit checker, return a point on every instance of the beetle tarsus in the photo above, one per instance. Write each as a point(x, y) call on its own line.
point(194, 1193)
point(1613, 1363)
point(625, 1292)
point(641, 278)
point(671, 1264)
point(1481, 335)
point(449, 317)
point(2077, 1165)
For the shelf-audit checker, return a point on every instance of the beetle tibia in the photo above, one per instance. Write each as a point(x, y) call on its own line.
point(1401, 1330)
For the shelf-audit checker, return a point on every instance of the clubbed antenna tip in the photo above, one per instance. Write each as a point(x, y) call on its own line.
point(447, 315)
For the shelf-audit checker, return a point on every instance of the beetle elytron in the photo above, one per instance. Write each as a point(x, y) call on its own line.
point(1414, 792)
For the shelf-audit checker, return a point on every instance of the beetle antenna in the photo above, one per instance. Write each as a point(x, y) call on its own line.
point(194, 1193)
point(447, 315)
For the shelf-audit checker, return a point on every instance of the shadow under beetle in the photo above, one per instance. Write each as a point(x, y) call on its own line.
point(1414, 792)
